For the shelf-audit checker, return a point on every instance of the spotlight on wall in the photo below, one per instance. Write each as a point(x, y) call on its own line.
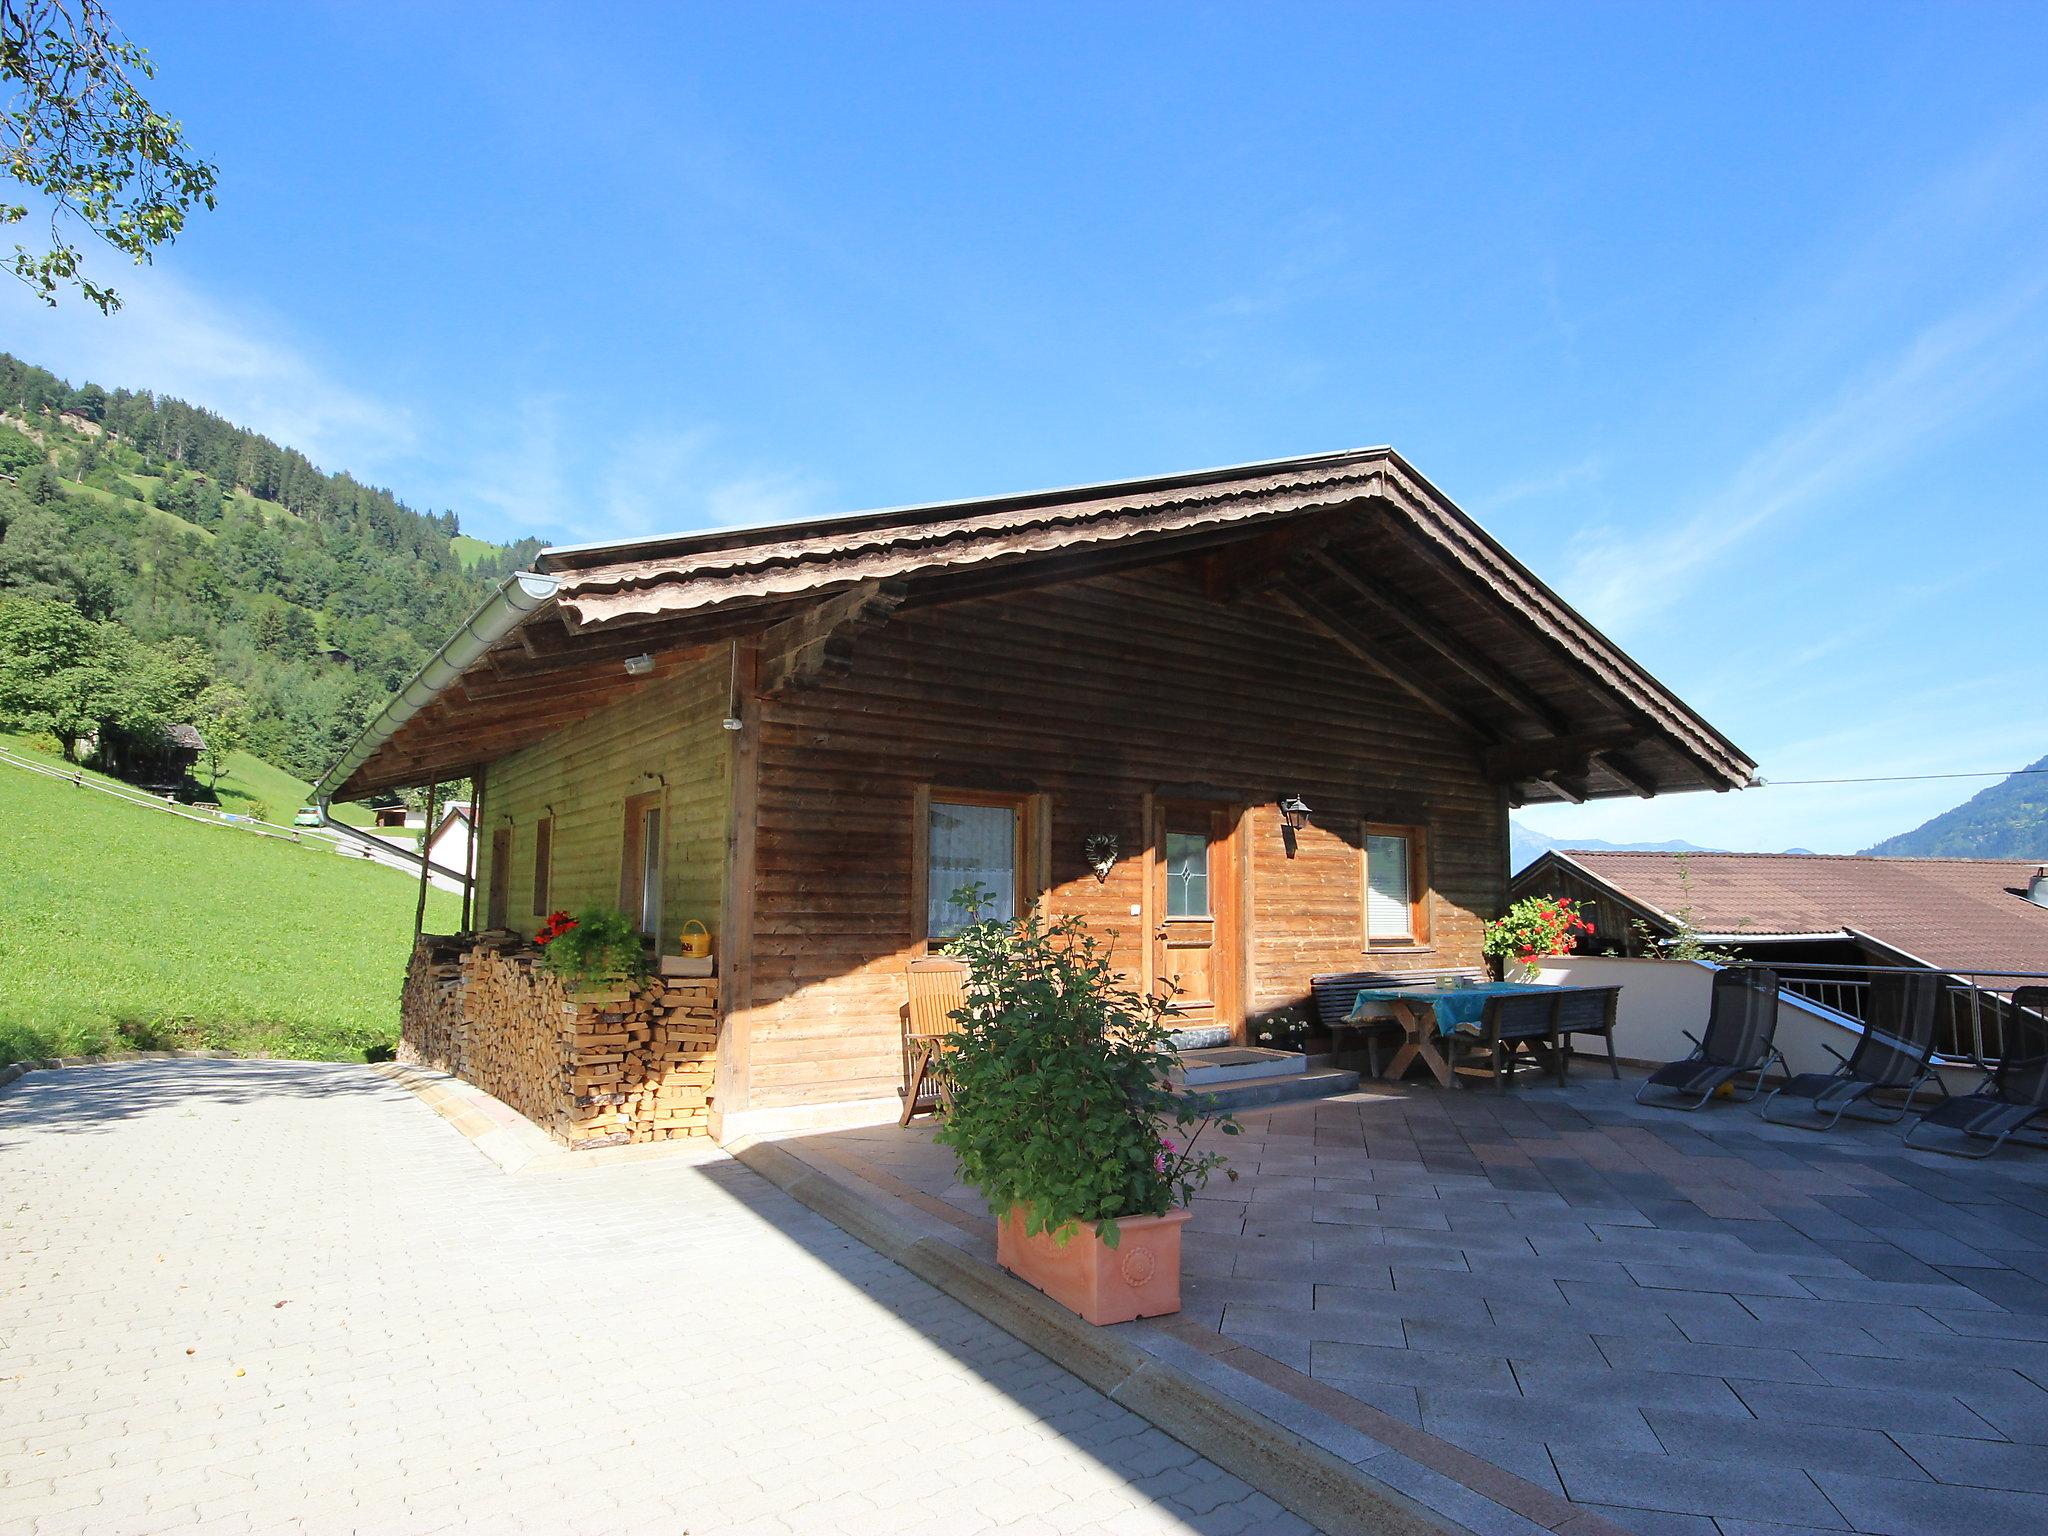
point(1294, 813)
point(639, 666)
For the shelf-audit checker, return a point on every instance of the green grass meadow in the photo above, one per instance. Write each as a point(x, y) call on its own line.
point(125, 928)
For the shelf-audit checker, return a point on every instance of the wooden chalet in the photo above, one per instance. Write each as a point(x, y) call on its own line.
point(1095, 700)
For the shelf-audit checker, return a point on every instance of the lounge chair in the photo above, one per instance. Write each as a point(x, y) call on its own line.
point(1511, 1021)
point(1896, 1052)
point(1741, 1025)
point(1589, 1011)
point(938, 989)
point(2014, 1094)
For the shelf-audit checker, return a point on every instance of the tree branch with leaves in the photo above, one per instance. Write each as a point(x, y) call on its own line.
point(79, 133)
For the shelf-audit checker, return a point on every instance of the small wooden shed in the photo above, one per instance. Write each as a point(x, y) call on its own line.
point(1096, 700)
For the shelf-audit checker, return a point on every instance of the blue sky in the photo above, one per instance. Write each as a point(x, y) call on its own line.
point(1731, 320)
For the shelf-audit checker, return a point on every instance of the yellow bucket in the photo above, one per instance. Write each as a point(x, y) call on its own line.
point(696, 945)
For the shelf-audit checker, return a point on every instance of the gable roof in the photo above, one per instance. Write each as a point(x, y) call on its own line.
point(1358, 544)
point(1951, 914)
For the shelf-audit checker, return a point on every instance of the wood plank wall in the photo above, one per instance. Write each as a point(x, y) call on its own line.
point(1095, 695)
point(664, 737)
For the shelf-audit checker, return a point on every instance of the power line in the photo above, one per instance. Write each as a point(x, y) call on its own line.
point(1901, 778)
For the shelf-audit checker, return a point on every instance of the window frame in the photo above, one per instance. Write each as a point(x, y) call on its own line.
point(634, 895)
point(1033, 855)
point(543, 864)
point(1419, 888)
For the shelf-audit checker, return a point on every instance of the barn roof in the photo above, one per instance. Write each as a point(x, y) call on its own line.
point(1357, 544)
point(1951, 914)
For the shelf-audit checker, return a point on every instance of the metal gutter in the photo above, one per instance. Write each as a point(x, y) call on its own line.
point(503, 611)
point(385, 845)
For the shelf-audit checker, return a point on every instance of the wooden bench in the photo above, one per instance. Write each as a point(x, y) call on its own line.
point(1590, 1011)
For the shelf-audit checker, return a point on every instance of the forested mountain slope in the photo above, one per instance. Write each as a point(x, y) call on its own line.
point(202, 555)
point(2007, 821)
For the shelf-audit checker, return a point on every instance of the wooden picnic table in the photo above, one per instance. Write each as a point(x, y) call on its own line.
point(1427, 1014)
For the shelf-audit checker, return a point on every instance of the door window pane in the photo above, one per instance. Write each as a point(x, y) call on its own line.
point(1388, 910)
point(650, 871)
point(1187, 874)
point(969, 844)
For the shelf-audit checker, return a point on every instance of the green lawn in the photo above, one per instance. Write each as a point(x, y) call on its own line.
point(124, 928)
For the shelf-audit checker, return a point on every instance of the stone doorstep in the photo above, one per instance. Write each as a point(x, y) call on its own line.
point(1338, 1463)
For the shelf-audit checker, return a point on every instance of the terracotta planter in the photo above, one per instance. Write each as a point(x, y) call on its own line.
point(1140, 1277)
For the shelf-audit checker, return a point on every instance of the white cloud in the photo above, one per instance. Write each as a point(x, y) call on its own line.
point(169, 338)
point(1945, 373)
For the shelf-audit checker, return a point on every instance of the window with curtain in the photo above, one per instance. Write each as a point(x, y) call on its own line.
point(1396, 886)
point(966, 844)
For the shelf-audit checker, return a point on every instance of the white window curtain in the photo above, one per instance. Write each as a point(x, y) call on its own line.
point(970, 843)
point(1388, 913)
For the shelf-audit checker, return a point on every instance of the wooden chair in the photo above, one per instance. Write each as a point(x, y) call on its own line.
point(938, 989)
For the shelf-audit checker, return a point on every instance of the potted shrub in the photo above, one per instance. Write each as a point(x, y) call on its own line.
point(593, 947)
point(1062, 1117)
point(1534, 927)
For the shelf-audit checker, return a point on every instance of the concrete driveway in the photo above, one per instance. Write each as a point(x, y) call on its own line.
point(252, 1296)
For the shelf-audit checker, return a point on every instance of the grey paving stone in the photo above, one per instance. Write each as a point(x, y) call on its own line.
point(1411, 1367)
point(1509, 1416)
point(1899, 1408)
point(1688, 1486)
point(1893, 1507)
point(1655, 1522)
point(1980, 1463)
point(1780, 1442)
point(1685, 1358)
point(1639, 1389)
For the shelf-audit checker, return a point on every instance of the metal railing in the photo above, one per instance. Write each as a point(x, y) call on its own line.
point(1974, 1004)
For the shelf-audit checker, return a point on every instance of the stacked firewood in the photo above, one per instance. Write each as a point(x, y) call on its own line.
point(598, 1066)
point(642, 1061)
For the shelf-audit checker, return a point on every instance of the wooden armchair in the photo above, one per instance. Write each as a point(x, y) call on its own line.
point(938, 987)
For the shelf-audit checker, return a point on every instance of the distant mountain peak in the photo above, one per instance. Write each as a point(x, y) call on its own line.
point(2009, 820)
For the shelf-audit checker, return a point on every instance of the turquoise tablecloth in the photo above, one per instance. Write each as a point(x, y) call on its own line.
point(1454, 1005)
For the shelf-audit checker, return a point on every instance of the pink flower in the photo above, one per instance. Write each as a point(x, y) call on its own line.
point(1159, 1162)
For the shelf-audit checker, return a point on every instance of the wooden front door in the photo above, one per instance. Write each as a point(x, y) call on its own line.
point(1195, 910)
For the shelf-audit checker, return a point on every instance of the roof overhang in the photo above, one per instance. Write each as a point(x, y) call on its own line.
point(1357, 545)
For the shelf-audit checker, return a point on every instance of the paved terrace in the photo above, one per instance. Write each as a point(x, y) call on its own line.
point(272, 1296)
point(1699, 1325)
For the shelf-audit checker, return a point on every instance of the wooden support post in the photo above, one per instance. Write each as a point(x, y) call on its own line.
point(419, 911)
point(476, 832)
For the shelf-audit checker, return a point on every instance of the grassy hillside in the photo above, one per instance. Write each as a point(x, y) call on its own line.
point(122, 927)
point(469, 551)
point(250, 787)
point(2007, 821)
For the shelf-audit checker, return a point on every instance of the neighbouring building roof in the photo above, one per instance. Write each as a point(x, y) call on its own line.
point(187, 736)
point(1951, 914)
point(1356, 543)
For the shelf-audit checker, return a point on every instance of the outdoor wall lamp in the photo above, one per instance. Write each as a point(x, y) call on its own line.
point(639, 666)
point(1294, 813)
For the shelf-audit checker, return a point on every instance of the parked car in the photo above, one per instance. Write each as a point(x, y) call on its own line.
point(305, 816)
